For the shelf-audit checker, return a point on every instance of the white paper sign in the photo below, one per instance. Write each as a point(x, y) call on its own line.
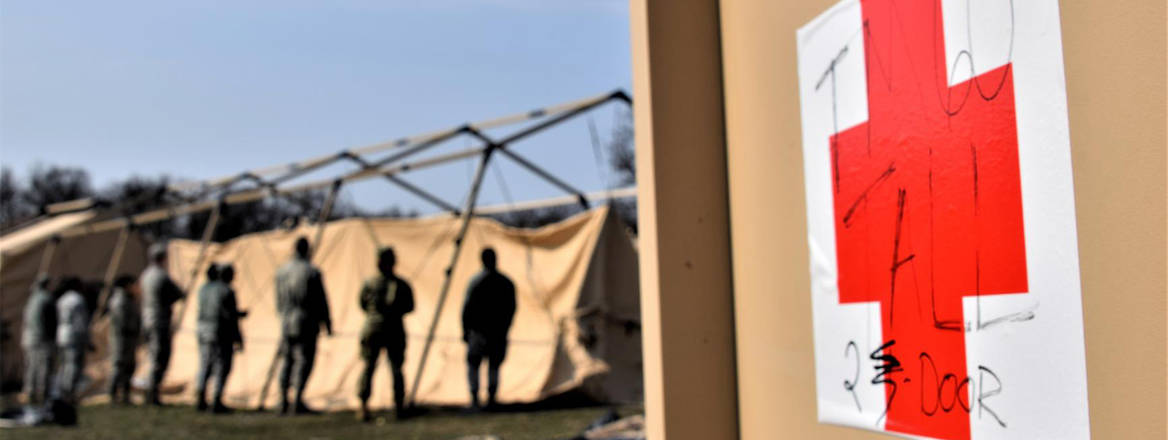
point(941, 220)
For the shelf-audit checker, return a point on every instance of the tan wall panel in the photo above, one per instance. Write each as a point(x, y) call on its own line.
point(1115, 64)
point(1115, 61)
point(686, 291)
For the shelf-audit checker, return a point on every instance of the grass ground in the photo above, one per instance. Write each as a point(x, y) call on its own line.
point(180, 422)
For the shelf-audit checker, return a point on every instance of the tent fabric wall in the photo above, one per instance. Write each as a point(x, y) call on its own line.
point(576, 325)
point(86, 256)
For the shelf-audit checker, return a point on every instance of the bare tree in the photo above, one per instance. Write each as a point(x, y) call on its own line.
point(264, 215)
point(13, 208)
point(138, 194)
point(54, 184)
point(534, 218)
point(621, 154)
point(622, 158)
point(390, 212)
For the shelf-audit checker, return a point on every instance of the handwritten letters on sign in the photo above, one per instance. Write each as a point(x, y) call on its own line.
point(941, 219)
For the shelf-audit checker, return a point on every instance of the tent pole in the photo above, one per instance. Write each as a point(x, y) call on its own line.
point(547, 176)
point(467, 215)
point(47, 256)
point(605, 195)
point(421, 193)
point(419, 147)
point(271, 373)
point(434, 200)
point(112, 270)
point(325, 211)
point(580, 198)
point(405, 142)
point(557, 113)
point(207, 233)
point(259, 193)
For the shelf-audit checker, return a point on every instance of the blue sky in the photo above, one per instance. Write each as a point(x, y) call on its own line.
point(203, 89)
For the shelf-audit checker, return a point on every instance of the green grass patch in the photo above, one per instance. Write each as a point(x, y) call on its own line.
point(181, 422)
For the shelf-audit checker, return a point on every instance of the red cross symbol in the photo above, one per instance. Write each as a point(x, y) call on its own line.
point(928, 208)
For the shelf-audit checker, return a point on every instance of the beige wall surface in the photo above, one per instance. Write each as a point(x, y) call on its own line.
point(1115, 65)
point(684, 239)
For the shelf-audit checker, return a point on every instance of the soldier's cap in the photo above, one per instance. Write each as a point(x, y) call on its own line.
point(225, 269)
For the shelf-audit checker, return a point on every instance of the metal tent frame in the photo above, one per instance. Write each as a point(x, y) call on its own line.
point(213, 194)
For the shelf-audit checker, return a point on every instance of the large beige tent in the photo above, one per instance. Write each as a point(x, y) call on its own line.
point(575, 327)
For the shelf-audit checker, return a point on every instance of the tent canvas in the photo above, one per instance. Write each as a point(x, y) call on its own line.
point(576, 325)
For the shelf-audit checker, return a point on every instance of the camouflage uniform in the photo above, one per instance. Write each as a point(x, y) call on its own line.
point(73, 343)
point(39, 341)
point(124, 334)
point(303, 308)
point(159, 295)
point(385, 300)
point(218, 334)
point(486, 319)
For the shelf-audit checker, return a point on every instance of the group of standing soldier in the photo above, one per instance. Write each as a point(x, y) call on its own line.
point(56, 326)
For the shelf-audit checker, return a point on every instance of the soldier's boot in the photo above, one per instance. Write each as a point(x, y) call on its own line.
point(492, 385)
point(113, 388)
point(152, 397)
point(474, 398)
point(126, 393)
point(200, 399)
point(400, 411)
point(220, 408)
point(363, 413)
point(284, 409)
point(301, 408)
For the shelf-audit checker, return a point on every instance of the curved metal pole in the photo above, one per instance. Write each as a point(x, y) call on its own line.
point(467, 214)
point(580, 198)
point(502, 146)
point(112, 270)
point(207, 233)
point(47, 255)
point(325, 211)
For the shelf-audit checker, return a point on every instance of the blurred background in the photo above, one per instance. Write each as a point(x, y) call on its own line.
point(121, 102)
